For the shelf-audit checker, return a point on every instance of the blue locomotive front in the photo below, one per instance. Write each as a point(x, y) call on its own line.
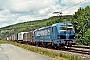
point(66, 34)
point(59, 34)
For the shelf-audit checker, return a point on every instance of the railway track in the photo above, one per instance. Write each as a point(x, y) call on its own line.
point(77, 50)
point(81, 49)
point(85, 47)
point(81, 52)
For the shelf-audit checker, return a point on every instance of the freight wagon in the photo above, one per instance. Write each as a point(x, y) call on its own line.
point(16, 37)
point(20, 36)
point(28, 37)
point(7, 38)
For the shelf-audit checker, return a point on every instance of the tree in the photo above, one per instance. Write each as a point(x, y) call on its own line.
point(81, 21)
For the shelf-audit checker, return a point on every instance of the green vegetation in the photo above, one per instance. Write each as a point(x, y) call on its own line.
point(2, 42)
point(81, 21)
point(56, 55)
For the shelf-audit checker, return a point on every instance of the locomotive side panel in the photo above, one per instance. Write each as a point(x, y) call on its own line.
point(42, 35)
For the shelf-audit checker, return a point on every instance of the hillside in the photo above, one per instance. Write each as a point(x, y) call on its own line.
point(30, 25)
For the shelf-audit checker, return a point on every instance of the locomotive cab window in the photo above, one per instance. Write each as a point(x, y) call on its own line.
point(62, 28)
point(70, 28)
point(66, 28)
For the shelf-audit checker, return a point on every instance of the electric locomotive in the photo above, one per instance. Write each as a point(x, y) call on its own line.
point(59, 34)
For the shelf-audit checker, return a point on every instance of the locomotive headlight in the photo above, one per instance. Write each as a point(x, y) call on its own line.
point(58, 36)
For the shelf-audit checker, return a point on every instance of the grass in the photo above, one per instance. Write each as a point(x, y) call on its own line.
point(56, 56)
point(2, 42)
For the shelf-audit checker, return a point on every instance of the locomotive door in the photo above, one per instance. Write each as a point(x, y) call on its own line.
point(52, 33)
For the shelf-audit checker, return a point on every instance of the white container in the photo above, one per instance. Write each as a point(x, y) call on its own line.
point(20, 35)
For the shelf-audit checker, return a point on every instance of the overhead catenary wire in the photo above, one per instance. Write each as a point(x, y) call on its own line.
point(73, 5)
point(69, 7)
point(60, 13)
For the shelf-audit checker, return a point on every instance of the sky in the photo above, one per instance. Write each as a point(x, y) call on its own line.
point(18, 11)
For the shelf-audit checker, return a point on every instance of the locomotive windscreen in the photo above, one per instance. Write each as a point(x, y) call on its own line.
point(64, 28)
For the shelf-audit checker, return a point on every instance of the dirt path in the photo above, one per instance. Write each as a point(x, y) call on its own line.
point(11, 52)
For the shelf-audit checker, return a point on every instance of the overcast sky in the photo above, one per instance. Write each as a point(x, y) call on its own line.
point(17, 11)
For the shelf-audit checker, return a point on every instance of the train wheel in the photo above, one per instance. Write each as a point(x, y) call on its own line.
point(37, 44)
point(50, 46)
point(67, 47)
point(55, 46)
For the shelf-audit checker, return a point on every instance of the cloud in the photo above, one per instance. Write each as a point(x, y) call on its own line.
point(3, 25)
point(71, 6)
point(17, 11)
point(70, 11)
point(72, 2)
point(28, 5)
point(6, 18)
point(25, 18)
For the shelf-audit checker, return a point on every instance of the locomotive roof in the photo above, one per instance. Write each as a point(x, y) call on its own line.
point(22, 32)
point(62, 23)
